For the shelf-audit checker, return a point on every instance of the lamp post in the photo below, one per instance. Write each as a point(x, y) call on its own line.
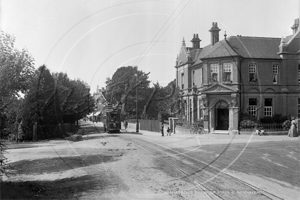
point(136, 104)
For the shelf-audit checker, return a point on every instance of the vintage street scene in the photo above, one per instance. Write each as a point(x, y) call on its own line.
point(150, 99)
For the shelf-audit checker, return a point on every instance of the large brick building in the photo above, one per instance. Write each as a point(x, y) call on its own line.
point(259, 76)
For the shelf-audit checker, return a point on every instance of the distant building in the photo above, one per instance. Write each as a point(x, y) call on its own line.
point(100, 103)
point(259, 76)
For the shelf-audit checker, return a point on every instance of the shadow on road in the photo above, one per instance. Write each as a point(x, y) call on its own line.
point(60, 189)
point(58, 164)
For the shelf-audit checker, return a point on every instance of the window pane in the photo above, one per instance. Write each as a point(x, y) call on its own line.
point(214, 70)
point(251, 76)
point(274, 78)
point(298, 107)
point(252, 110)
point(268, 111)
point(253, 102)
point(252, 68)
point(275, 69)
point(298, 73)
point(268, 102)
point(227, 67)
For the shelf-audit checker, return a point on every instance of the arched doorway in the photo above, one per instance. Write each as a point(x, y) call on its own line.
point(221, 115)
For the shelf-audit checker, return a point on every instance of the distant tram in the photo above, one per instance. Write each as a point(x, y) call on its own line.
point(112, 119)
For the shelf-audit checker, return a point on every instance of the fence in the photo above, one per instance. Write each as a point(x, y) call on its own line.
point(150, 125)
point(265, 126)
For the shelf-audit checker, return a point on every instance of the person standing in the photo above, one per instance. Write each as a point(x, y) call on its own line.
point(169, 131)
point(293, 129)
point(162, 129)
point(125, 125)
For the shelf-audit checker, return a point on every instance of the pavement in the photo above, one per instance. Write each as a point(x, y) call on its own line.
point(203, 139)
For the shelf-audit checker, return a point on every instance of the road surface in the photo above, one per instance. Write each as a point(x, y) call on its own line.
point(128, 165)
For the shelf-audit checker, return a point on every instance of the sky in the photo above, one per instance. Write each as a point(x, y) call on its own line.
point(91, 39)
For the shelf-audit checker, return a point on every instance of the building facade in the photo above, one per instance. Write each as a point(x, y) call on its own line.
point(259, 76)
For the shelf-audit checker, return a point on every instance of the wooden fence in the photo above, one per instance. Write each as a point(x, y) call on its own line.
point(150, 125)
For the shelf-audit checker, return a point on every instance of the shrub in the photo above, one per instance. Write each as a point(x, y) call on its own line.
point(247, 123)
point(286, 124)
point(276, 118)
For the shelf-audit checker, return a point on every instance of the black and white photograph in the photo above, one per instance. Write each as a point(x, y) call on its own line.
point(150, 99)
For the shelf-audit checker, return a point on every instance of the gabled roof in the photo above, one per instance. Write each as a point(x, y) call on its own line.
point(220, 49)
point(255, 47)
point(247, 47)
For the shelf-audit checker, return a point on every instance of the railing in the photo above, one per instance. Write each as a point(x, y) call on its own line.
point(265, 126)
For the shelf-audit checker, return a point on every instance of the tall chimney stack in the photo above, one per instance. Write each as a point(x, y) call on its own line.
point(295, 27)
point(196, 42)
point(214, 33)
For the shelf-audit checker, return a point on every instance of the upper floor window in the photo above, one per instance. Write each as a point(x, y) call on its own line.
point(214, 72)
point(298, 107)
point(252, 73)
point(193, 77)
point(252, 109)
point(182, 80)
point(275, 73)
point(227, 72)
point(299, 73)
point(268, 107)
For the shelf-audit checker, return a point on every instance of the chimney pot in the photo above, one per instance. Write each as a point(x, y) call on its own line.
point(214, 33)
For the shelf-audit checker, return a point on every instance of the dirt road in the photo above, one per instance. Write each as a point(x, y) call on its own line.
point(147, 166)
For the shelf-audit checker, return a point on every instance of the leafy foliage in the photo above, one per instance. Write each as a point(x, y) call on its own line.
point(16, 70)
point(121, 89)
point(152, 102)
point(54, 99)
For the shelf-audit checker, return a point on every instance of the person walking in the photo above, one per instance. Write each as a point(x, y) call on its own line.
point(162, 129)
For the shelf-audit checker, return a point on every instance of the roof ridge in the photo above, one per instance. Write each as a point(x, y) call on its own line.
point(254, 37)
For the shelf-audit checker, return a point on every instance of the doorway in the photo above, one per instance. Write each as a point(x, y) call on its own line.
point(222, 119)
point(221, 115)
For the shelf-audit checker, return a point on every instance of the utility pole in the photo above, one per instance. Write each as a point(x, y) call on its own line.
point(136, 104)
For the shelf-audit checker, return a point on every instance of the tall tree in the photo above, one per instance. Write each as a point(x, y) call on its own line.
point(16, 70)
point(121, 89)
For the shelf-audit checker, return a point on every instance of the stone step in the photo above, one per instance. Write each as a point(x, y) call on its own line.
point(225, 132)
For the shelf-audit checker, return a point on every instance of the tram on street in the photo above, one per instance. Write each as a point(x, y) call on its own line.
point(112, 119)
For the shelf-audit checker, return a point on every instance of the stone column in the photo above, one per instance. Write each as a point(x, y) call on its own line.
point(234, 115)
point(204, 106)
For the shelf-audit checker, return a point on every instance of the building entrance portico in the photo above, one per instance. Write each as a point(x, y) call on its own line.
point(221, 116)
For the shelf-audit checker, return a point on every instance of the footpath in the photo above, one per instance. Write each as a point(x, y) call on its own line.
point(206, 139)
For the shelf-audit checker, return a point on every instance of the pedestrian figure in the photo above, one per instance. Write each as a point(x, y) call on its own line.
point(169, 131)
point(162, 130)
point(259, 131)
point(293, 129)
point(125, 124)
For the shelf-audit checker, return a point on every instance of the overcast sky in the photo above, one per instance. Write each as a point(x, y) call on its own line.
point(90, 39)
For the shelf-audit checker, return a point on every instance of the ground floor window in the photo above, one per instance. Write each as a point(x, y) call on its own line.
point(298, 107)
point(252, 106)
point(268, 107)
